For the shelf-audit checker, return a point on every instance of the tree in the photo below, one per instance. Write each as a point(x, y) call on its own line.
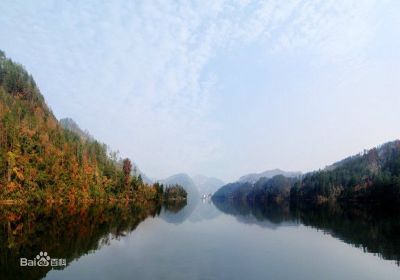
point(127, 169)
point(42, 159)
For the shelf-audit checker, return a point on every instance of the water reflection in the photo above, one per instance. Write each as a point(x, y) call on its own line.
point(195, 211)
point(375, 230)
point(182, 239)
point(64, 232)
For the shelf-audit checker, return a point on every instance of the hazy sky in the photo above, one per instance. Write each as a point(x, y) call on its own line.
point(220, 88)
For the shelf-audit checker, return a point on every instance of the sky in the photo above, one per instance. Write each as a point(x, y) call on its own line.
point(220, 88)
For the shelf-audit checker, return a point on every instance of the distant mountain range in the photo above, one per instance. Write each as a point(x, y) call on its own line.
point(185, 181)
point(188, 184)
point(206, 184)
point(195, 185)
point(254, 177)
point(253, 181)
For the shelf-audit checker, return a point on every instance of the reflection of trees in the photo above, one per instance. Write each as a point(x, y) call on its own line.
point(174, 206)
point(63, 232)
point(272, 212)
point(375, 230)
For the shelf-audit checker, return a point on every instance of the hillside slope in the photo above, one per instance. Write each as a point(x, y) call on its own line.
point(371, 176)
point(39, 158)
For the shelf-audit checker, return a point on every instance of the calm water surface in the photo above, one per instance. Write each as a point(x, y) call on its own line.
point(204, 241)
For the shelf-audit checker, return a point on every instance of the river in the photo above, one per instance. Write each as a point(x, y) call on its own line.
point(203, 241)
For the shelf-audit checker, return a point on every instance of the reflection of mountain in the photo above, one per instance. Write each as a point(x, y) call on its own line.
point(174, 206)
point(174, 217)
point(63, 232)
point(265, 215)
point(374, 230)
point(205, 210)
point(193, 197)
point(195, 210)
point(199, 212)
point(175, 213)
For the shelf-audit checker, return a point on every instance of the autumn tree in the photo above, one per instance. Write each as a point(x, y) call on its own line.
point(127, 169)
point(43, 159)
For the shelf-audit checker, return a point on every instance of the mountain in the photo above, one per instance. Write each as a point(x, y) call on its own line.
point(185, 181)
point(206, 184)
point(275, 189)
point(195, 185)
point(233, 191)
point(193, 197)
point(254, 177)
point(258, 183)
point(38, 157)
point(194, 210)
point(42, 159)
point(372, 176)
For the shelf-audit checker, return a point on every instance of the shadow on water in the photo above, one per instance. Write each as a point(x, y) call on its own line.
point(374, 229)
point(71, 231)
point(64, 232)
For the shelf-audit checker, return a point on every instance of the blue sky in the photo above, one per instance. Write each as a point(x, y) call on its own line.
point(221, 88)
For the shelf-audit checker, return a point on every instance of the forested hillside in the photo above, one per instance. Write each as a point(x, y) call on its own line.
point(41, 160)
point(372, 176)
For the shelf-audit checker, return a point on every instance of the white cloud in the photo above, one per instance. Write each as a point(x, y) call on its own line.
point(141, 65)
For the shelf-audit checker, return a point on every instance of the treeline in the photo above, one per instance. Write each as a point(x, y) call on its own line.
point(175, 198)
point(265, 190)
point(372, 176)
point(174, 193)
point(42, 160)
